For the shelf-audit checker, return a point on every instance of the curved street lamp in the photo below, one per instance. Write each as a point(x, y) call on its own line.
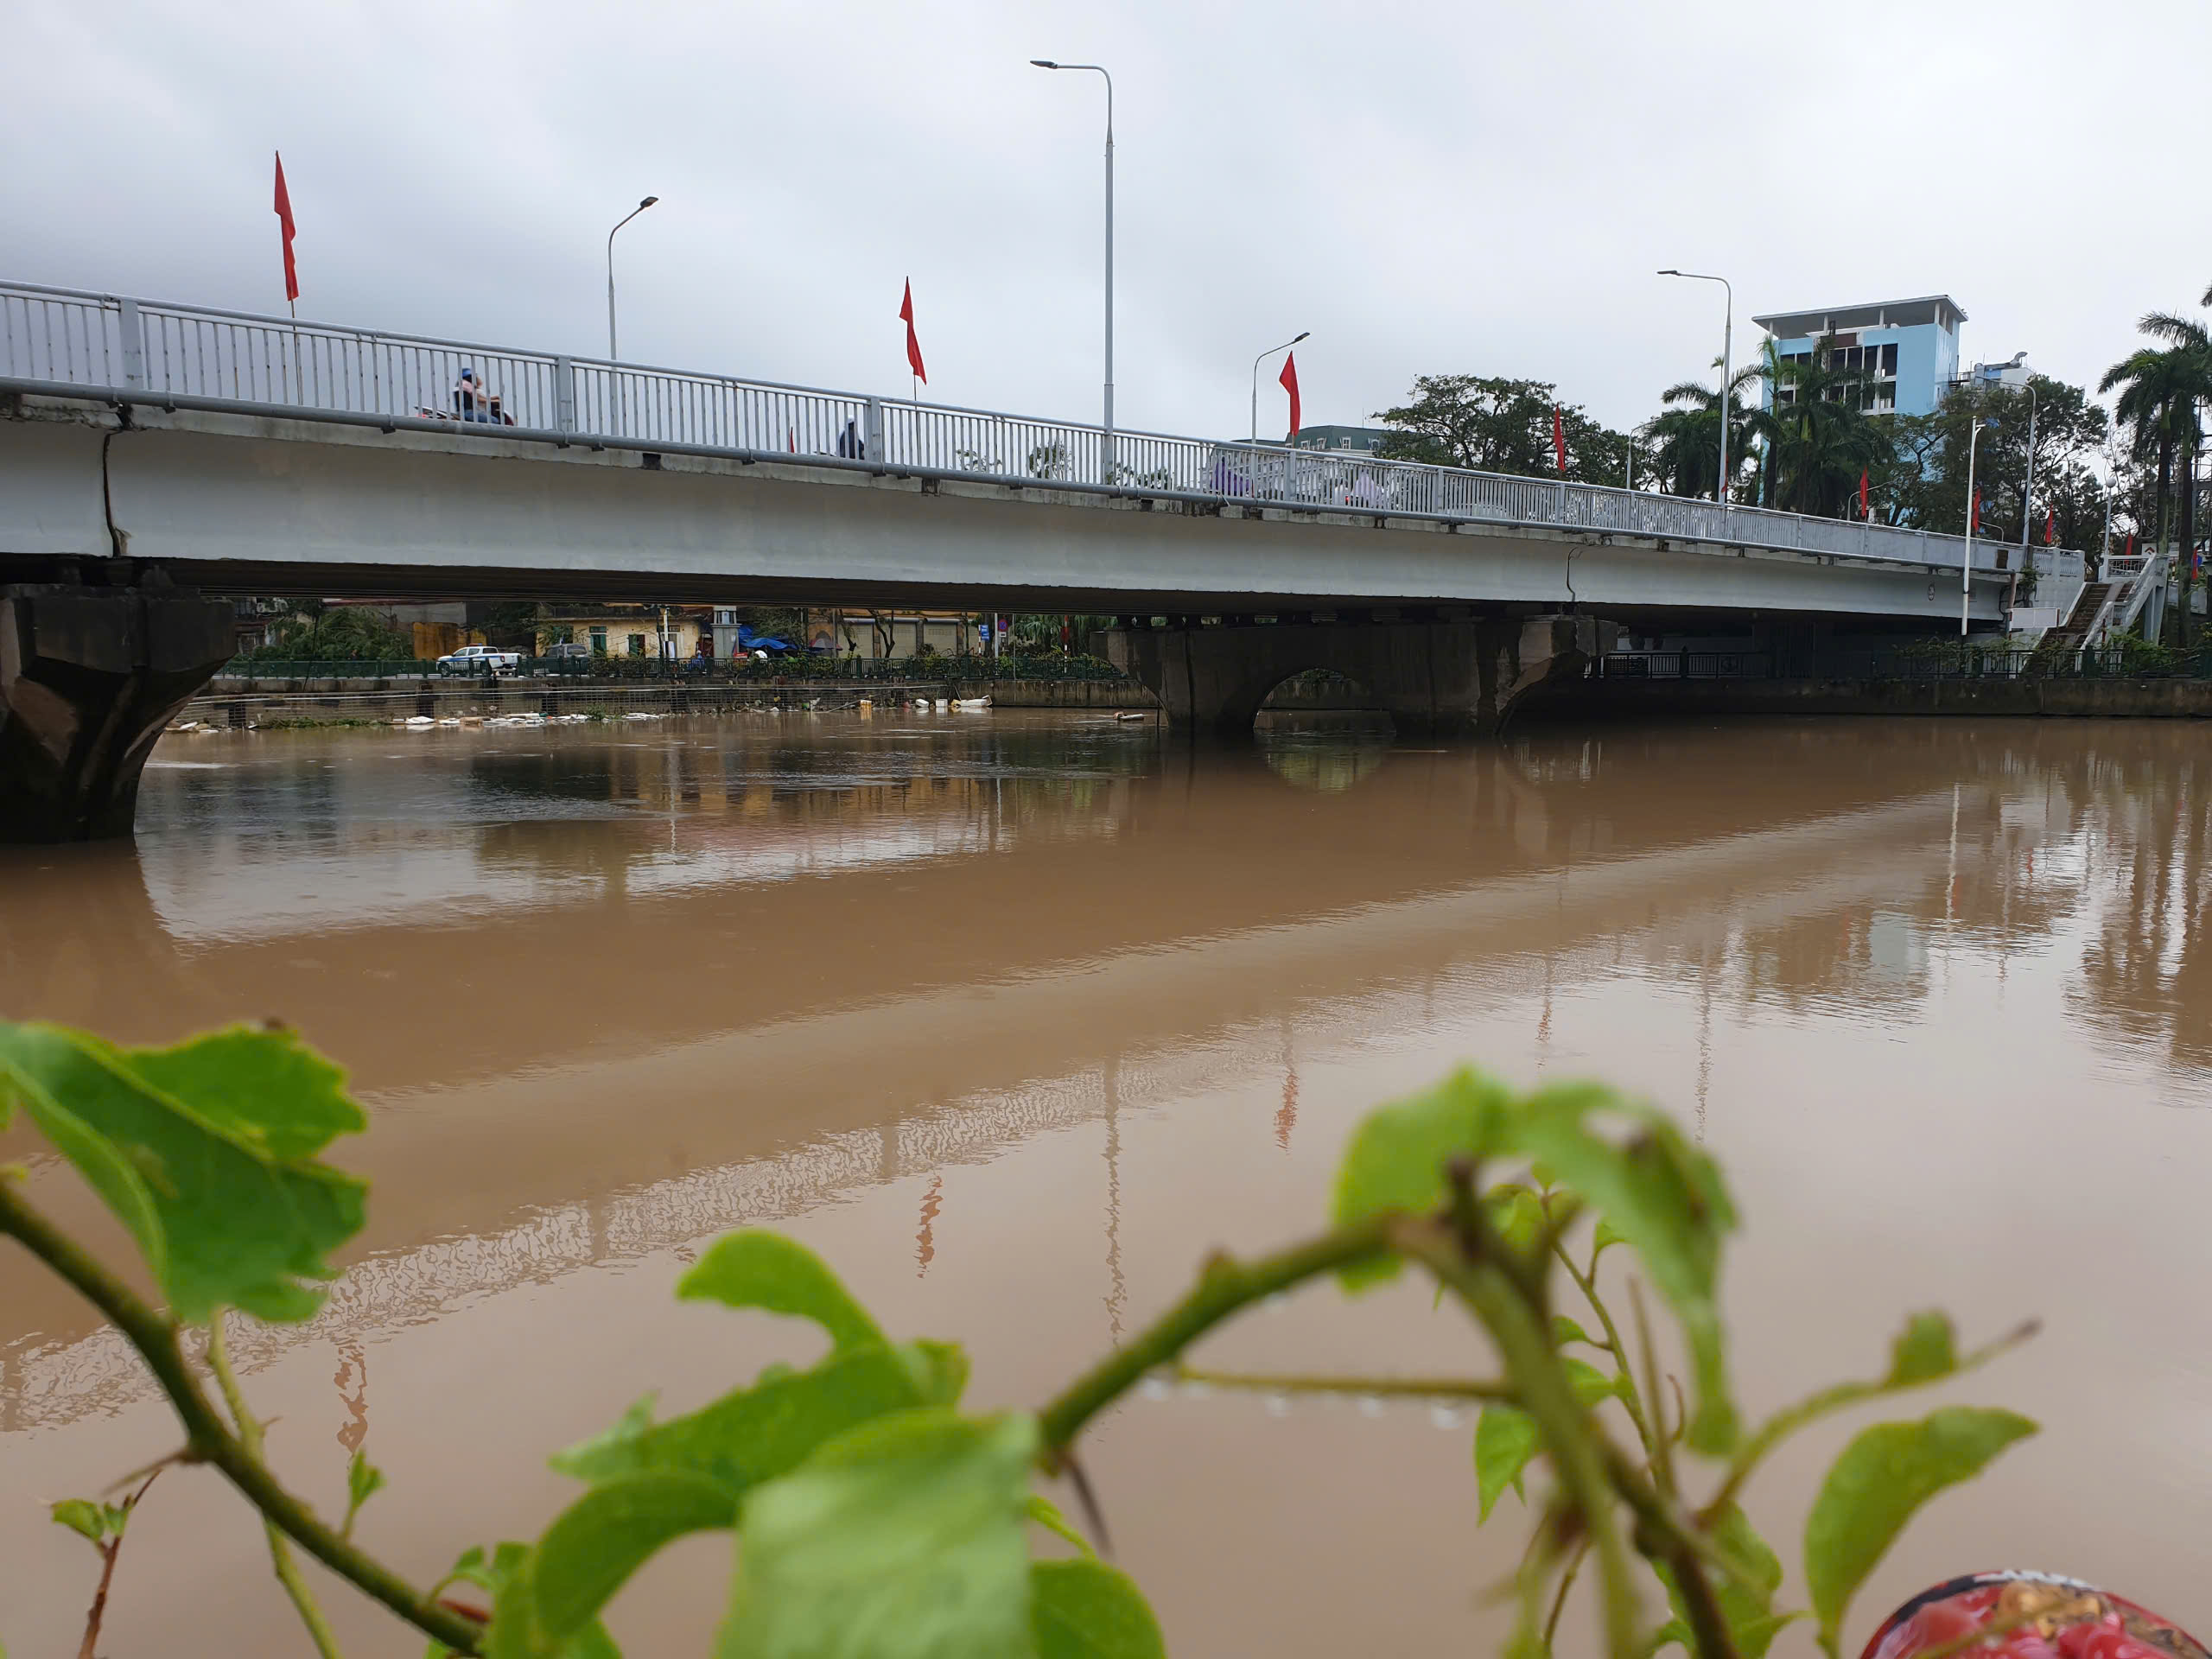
point(1965, 565)
point(1098, 69)
point(1727, 368)
point(1256, 361)
point(612, 353)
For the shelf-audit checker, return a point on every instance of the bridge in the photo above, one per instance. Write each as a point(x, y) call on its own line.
point(152, 453)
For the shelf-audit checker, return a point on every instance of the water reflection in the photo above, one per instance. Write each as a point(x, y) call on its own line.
point(804, 960)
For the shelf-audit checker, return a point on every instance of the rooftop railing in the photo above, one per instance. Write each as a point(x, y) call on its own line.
point(65, 340)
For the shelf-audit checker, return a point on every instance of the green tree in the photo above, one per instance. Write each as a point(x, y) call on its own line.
point(1495, 425)
point(342, 633)
point(1924, 482)
point(1685, 436)
point(1817, 437)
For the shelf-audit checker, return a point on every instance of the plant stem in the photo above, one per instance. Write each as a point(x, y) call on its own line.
point(1631, 1396)
point(1565, 1584)
point(1569, 1432)
point(1430, 1387)
point(280, 1555)
point(208, 1440)
point(1224, 1286)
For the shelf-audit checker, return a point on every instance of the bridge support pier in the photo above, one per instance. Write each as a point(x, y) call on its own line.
point(1432, 677)
point(89, 676)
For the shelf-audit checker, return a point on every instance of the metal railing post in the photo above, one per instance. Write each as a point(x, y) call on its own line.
point(564, 394)
point(132, 329)
point(872, 440)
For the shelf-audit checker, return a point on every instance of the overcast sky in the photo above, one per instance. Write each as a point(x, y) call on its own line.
point(1480, 187)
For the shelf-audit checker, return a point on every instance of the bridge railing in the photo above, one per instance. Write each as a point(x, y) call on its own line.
point(66, 337)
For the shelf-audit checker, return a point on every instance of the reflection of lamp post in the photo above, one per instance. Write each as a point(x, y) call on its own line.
point(1965, 565)
point(1256, 361)
point(1728, 346)
point(1046, 63)
point(612, 353)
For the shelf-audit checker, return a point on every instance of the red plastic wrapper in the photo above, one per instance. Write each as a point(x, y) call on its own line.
point(2028, 1616)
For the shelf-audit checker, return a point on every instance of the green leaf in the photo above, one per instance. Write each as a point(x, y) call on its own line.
point(1047, 1514)
point(84, 1517)
point(1086, 1610)
point(363, 1481)
point(1883, 1477)
point(902, 1539)
point(206, 1152)
point(758, 1433)
point(1397, 1157)
point(1923, 1350)
point(1590, 1384)
point(1505, 1439)
point(590, 1551)
point(1565, 1331)
point(1665, 1199)
point(1603, 1237)
point(754, 1268)
point(1747, 1608)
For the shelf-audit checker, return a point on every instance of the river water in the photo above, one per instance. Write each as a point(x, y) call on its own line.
point(1014, 1018)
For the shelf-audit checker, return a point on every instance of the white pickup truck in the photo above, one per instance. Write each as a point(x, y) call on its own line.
point(480, 659)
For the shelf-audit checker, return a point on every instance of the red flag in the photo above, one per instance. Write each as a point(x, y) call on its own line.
point(284, 224)
point(1288, 380)
point(2050, 527)
point(2131, 544)
point(1558, 438)
point(913, 346)
point(1974, 518)
point(1865, 511)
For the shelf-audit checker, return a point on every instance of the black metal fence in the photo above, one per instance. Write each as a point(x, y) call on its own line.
point(2126, 662)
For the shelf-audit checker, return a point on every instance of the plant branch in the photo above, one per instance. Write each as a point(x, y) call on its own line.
point(1569, 1432)
point(1224, 1286)
point(1664, 1535)
point(1790, 1419)
point(1431, 1387)
point(208, 1440)
point(1631, 1396)
point(280, 1555)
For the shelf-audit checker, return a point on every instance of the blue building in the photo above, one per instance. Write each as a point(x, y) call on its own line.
point(1907, 349)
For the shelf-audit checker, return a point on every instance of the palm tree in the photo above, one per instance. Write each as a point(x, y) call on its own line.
point(2159, 393)
point(1819, 440)
point(1686, 436)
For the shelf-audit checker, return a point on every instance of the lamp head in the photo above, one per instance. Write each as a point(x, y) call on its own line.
point(1670, 271)
point(1294, 342)
point(646, 203)
point(1044, 63)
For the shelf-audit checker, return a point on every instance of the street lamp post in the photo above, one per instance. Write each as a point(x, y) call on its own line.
point(1728, 368)
point(1256, 361)
point(613, 354)
point(1965, 565)
point(2028, 492)
point(1106, 459)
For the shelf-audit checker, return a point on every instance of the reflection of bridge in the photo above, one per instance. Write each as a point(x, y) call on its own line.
point(762, 1087)
point(248, 454)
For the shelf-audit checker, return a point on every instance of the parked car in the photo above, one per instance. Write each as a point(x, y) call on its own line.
point(567, 650)
point(480, 659)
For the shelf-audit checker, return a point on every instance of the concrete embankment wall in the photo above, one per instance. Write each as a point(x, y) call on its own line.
point(2074, 699)
point(237, 702)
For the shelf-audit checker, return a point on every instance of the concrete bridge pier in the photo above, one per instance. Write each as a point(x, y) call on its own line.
point(89, 676)
point(1443, 677)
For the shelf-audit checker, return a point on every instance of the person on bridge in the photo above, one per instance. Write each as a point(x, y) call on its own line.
point(474, 402)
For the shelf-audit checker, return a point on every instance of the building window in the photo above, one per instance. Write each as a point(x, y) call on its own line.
point(637, 645)
point(599, 642)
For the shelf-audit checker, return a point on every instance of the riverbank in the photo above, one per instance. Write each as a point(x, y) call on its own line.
point(303, 702)
point(2006, 698)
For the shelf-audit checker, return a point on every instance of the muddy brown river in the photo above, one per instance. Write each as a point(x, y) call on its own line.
point(1014, 1018)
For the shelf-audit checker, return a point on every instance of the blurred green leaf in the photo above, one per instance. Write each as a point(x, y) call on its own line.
point(902, 1539)
point(1505, 1439)
point(1747, 1608)
point(1665, 1199)
point(1923, 1350)
point(82, 1516)
point(1397, 1157)
point(757, 1269)
point(1087, 1609)
point(590, 1551)
point(206, 1152)
point(1047, 1514)
point(1590, 1384)
point(759, 1433)
point(1565, 1331)
point(1883, 1477)
point(363, 1481)
point(1517, 1214)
